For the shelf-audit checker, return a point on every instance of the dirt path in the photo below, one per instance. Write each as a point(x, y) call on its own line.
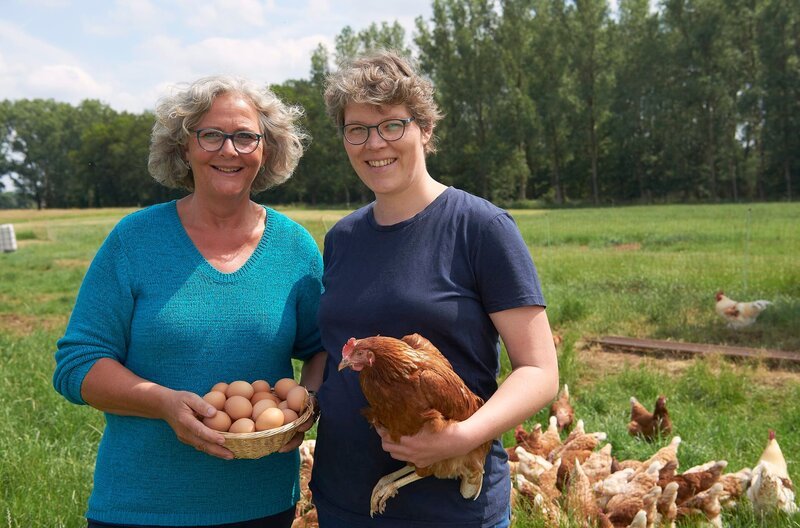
point(599, 362)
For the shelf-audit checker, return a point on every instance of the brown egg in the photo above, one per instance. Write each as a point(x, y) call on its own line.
point(258, 396)
point(221, 387)
point(283, 386)
point(219, 422)
point(296, 399)
point(269, 419)
point(216, 398)
point(289, 416)
point(261, 406)
point(238, 407)
point(274, 398)
point(283, 404)
point(243, 425)
point(240, 388)
point(260, 386)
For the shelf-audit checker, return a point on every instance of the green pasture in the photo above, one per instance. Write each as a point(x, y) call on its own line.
point(631, 271)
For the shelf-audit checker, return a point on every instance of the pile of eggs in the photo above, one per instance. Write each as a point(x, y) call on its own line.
point(244, 407)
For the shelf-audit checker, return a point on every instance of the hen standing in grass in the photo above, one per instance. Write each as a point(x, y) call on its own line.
point(770, 485)
point(409, 385)
point(562, 410)
point(739, 314)
point(649, 425)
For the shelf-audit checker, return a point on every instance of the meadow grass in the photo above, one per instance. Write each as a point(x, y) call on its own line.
point(633, 271)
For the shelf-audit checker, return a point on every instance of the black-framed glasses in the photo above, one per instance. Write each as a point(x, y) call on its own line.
point(389, 130)
point(211, 140)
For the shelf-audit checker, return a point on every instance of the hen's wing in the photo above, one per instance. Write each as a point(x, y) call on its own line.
point(429, 391)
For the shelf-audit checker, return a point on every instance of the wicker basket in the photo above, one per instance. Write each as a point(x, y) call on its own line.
point(262, 443)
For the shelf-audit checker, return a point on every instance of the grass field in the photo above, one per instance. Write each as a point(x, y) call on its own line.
point(633, 271)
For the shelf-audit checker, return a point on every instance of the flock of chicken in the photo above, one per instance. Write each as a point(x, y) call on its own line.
point(558, 478)
point(575, 479)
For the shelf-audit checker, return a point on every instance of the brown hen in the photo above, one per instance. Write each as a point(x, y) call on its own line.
point(562, 409)
point(579, 501)
point(409, 385)
point(649, 425)
point(706, 504)
point(692, 483)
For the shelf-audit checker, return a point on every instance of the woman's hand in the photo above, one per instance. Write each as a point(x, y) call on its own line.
point(297, 439)
point(181, 410)
point(111, 387)
point(427, 446)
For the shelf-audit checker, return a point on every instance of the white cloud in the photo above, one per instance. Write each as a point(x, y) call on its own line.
point(125, 17)
point(71, 83)
point(32, 68)
point(126, 52)
point(227, 16)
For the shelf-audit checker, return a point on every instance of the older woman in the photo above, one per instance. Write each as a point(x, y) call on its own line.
point(432, 259)
point(181, 295)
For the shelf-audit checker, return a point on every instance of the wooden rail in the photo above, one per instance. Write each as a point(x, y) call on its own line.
point(629, 344)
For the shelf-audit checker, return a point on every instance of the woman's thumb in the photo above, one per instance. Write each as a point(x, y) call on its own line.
point(200, 406)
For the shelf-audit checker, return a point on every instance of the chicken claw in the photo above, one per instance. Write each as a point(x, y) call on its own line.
point(387, 487)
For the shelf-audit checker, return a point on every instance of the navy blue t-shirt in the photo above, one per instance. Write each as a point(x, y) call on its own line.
point(439, 274)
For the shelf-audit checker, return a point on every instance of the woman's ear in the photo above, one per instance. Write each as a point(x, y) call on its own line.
point(426, 134)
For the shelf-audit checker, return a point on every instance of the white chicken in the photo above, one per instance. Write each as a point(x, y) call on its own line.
point(739, 314)
point(770, 485)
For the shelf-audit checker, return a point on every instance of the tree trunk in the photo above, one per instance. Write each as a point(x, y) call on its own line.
point(593, 153)
point(555, 166)
point(711, 155)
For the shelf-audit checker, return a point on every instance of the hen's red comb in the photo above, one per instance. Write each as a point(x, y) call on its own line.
point(348, 347)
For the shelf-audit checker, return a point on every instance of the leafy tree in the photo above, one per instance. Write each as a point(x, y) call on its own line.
point(587, 31)
point(698, 100)
point(36, 137)
point(111, 162)
point(638, 56)
point(518, 126)
point(461, 55)
point(551, 89)
point(779, 39)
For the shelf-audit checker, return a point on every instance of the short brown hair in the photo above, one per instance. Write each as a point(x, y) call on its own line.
point(382, 78)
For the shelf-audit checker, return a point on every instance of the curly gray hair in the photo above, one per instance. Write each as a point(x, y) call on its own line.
point(382, 78)
point(178, 113)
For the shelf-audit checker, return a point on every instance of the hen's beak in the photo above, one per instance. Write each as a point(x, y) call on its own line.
point(344, 363)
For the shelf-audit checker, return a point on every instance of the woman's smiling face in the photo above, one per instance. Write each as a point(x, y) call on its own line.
point(226, 172)
point(386, 167)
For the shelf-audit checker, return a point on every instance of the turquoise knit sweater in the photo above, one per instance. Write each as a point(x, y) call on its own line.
point(151, 301)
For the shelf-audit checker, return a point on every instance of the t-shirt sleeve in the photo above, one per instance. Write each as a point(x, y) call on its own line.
point(505, 272)
point(100, 322)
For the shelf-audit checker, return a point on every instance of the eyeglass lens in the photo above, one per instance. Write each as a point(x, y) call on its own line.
point(212, 140)
point(389, 130)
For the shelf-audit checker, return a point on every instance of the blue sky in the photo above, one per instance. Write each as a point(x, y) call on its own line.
point(126, 53)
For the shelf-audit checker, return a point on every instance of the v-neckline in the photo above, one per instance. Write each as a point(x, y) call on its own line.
point(207, 267)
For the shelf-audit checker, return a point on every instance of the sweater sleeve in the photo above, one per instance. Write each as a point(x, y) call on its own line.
point(308, 341)
point(99, 326)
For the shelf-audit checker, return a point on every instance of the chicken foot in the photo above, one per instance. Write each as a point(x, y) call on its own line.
point(387, 487)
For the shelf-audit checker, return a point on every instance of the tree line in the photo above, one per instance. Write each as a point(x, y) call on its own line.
point(553, 101)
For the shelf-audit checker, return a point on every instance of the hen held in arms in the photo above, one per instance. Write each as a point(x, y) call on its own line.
point(411, 370)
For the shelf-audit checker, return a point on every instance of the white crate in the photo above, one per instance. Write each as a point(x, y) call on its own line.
point(8, 240)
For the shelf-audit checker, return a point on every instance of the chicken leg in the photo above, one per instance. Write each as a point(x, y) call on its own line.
point(387, 487)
